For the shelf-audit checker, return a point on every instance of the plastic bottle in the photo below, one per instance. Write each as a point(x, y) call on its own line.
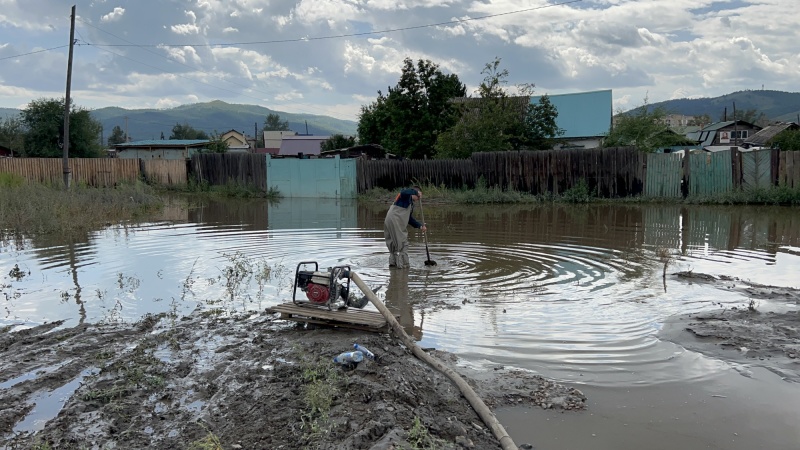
point(349, 359)
point(367, 353)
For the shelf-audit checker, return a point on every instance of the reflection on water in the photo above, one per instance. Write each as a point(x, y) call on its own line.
point(574, 292)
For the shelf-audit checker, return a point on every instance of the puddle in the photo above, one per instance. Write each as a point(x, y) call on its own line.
point(49, 404)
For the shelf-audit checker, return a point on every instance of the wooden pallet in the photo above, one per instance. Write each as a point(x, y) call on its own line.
point(345, 318)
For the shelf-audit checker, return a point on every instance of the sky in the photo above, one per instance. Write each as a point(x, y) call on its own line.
point(331, 57)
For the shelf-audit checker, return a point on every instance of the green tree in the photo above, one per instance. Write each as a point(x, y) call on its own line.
point(44, 119)
point(786, 140)
point(338, 141)
point(750, 116)
point(216, 144)
point(117, 136)
point(273, 123)
point(186, 131)
point(497, 121)
point(700, 121)
point(643, 128)
point(12, 134)
point(407, 120)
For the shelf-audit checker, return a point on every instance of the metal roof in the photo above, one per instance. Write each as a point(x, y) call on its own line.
point(164, 143)
point(763, 136)
point(582, 114)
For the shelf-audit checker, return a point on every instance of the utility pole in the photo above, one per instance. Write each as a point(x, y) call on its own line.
point(255, 135)
point(67, 171)
point(127, 139)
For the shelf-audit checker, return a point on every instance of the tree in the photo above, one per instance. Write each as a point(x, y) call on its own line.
point(273, 123)
point(643, 128)
point(497, 121)
point(786, 140)
point(117, 136)
point(186, 131)
point(44, 119)
point(407, 120)
point(338, 141)
point(216, 144)
point(748, 115)
point(541, 129)
point(12, 134)
point(700, 121)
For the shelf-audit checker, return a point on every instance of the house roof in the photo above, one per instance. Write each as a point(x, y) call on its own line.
point(162, 143)
point(582, 114)
point(763, 136)
point(307, 145)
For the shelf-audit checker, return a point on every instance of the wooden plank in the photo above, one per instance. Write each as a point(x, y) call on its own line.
point(351, 316)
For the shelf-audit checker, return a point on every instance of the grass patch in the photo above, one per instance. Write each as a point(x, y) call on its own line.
point(209, 442)
point(229, 190)
point(322, 382)
point(420, 438)
point(31, 208)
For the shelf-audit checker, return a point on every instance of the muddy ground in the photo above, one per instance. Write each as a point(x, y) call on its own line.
point(746, 334)
point(242, 382)
point(256, 382)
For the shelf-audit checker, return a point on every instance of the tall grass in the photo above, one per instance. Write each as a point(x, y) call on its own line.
point(229, 190)
point(30, 208)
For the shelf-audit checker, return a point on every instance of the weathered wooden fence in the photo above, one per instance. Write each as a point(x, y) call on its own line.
point(789, 169)
point(97, 172)
point(243, 169)
point(166, 172)
point(757, 168)
point(710, 173)
point(613, 172)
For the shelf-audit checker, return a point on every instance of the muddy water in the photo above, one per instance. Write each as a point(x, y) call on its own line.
point(575, 293)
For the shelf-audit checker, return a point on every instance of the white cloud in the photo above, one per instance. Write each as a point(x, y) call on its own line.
point(113, 16)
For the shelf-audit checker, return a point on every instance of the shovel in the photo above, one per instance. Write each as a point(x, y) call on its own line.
point(429, 261)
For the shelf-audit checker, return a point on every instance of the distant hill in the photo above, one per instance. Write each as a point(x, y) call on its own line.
point(214, 116)
point(776, 105)
point(209, 117)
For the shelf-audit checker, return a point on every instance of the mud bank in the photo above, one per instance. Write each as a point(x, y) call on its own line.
point(743, 335)
point(241, 382)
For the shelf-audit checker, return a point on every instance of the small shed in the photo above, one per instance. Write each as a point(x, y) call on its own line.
point(302, 145)
point(161, 149)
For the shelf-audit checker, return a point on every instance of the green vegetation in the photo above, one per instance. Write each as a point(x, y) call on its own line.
point(581, 193)
point(322, 381)
point(186, 131)
point(42, 124)
point(644, 128)
point(420, 438)
point(35, 208)
point(786, 140)
point(338, 141)
point(230, 190)
point(407, 120)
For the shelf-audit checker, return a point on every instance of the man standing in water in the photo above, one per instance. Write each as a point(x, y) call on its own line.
point(395, 226)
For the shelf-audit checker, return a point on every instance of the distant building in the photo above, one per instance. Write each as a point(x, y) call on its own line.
point(677, 121)
point(161, 149)
point(302, 145)
point(732, 133)
point(237, 142)
point(585, 117)
point(272, 140)
point(6, 152)
point(763, 136)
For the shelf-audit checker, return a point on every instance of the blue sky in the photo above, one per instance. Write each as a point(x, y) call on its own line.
point(313, 56)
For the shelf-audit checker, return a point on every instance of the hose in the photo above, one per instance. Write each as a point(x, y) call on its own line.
point(477, 404)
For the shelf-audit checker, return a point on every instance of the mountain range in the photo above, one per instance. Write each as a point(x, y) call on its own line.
point(216, 116)
point(776, 105)
point(221, 117)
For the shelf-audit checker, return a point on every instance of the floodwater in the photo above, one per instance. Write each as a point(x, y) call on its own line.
point(574, 293)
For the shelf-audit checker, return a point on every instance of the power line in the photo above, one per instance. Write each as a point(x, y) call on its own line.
point(340, 36)
point(33, 53)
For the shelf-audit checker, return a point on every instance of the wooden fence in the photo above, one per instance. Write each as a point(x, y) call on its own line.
point(614, 172)
point(166, 172)
point(789, 169)
point(243, 169)
point(96, 172)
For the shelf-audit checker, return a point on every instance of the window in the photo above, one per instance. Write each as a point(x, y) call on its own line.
point(739, 134)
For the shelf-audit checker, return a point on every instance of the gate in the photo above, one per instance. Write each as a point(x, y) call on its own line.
point(710, 173)
point(312, 178)
point(757, 169)
point(664, 174)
